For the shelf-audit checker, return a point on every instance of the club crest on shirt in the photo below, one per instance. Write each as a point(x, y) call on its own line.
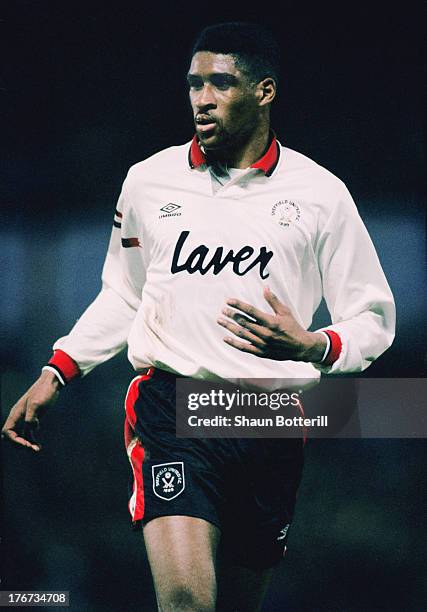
point(286, 212)
point(168, 479)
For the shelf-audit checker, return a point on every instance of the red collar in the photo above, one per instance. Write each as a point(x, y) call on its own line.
point(267, 163)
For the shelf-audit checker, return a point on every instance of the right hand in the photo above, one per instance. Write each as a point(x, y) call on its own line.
point(23, 422)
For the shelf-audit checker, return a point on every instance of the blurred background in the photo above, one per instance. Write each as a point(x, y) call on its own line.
point(87, 91)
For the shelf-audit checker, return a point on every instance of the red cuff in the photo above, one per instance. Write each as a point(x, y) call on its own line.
point(65, 365)
point(336, 346)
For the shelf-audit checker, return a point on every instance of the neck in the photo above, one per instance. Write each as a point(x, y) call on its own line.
point(246, 152)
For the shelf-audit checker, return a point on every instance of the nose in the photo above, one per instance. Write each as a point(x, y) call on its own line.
point(205, 98)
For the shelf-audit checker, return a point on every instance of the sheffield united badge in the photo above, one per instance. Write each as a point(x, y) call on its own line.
point(168, 479)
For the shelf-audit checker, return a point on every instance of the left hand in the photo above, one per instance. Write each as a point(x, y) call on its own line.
point(271, 336)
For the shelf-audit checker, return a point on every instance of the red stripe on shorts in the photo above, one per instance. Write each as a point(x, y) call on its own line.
point(136, 502)
point(134, 448)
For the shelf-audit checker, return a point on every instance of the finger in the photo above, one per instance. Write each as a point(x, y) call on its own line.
point(241, 332)
point(273, 300)
point(30, 432)
point(255, 313)
point(17, 412)
point(259, 330)
point(11, 436)
point(244, 347)
point(15, 418)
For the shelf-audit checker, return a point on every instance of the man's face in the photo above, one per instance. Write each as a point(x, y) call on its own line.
point(223, 100)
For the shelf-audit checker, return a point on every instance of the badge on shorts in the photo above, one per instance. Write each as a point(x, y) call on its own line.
point(168, 479)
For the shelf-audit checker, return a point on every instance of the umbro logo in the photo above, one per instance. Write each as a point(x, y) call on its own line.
point(170, 210)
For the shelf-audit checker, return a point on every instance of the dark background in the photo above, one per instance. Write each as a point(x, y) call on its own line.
point(86, 92)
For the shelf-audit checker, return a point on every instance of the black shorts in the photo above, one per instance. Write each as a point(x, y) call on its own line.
point(245, 487)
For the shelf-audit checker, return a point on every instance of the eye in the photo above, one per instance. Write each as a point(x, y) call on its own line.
point(222, 81)
point(195, 82)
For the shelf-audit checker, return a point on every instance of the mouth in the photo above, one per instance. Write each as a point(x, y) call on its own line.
point(204, 123)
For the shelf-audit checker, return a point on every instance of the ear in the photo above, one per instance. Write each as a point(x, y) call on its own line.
point(266, 91)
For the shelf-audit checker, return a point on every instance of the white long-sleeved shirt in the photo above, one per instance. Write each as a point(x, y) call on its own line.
point(181, 245)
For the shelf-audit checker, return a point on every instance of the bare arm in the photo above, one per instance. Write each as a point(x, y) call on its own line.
point(22, 424)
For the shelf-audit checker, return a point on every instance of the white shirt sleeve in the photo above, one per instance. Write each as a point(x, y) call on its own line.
point(102, 330)
point(355, 289)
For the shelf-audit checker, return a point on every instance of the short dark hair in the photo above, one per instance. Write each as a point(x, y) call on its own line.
point(254, 48)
